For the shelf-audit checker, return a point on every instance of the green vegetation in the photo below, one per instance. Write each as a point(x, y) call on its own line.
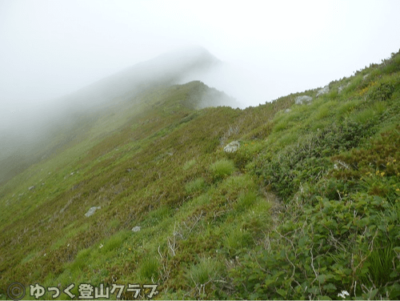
point(195, 185)
point(222, 168)
point(309, 205)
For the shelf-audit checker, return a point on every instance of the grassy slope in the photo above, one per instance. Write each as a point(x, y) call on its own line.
point(301, 210)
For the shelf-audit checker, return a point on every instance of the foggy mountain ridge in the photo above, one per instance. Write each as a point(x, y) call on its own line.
point(206, 151)
point(166, 69)
point(169, 68)
point(27, 132)
point(149, 190)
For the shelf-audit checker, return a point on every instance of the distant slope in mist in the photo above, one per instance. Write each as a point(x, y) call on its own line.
point(32, 134)
point(307, 207)
point(166, 69)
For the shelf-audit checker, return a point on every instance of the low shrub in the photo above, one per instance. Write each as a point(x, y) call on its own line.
point(189, 164)
point(236, 241)
point(204, 272)
point(195, 185)
point(222, 168)
point(149, 268)
point(245, 200)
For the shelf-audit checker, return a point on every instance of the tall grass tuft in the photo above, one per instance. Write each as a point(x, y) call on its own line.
point(222, 168)
point(149, 268)
point(204, 272)
point(195, 185)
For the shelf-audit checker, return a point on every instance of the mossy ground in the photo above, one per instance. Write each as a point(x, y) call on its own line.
point(307, 207)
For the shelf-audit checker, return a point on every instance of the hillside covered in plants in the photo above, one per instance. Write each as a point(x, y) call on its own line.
point(306, 208)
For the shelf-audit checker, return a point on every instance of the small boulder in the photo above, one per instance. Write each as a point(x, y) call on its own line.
point(287, 110)
point(232, 147)
point(32, 187)
point(91, 211)
point(322, 91)
point(136, 229)
point(302, 99)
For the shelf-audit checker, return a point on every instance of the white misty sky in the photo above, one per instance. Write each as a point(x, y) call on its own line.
point(52, 48)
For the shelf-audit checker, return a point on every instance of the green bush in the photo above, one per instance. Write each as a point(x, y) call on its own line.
point(334, 231)
point(308, 160)
point(237, 183)
point(157, 215)
point(382, 91)
point(379, 264)
point(364, 116)
point(237, 240)
point(331, 247)
point(245, 200)
point(246, 153)
point(149, 268)
point(346, 108)
point(325, 110)
point(195, 185)
point(222, 168)
point(204, 272)
point(189, 164)
point(81, 259)
point(115, 241)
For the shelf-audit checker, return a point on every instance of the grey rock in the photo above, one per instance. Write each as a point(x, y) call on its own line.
point(302, 99)
point(365, 76)
point(136, 229)
point(322, 91)
point(32, 187)
point(287, 110)
point(232, 147)
point(91, 211)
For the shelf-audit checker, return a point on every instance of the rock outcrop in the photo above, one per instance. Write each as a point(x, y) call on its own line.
point(322, 91)
point(302, 99)
point(91, 211)
point(232, 147)
point(136, 229)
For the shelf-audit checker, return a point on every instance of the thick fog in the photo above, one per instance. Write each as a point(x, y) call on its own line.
point(34, 131)
point(53, 48)
point(58, 58)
